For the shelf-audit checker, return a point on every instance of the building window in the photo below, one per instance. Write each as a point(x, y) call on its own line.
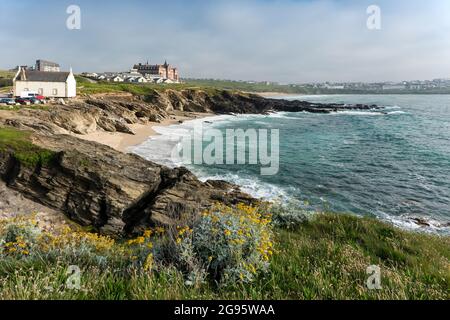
point(55, 92)
point(41, 91)
point(26, 89)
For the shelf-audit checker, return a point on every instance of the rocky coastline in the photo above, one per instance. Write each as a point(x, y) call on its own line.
point(115, 193)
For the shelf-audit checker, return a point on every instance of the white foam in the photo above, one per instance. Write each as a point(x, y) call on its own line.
point(408, 223)
point(283, 115)
point(397, 112)
point(366, 113)
point(159, 148)
point(251, 185)
point(357, 113)
point(391, 107)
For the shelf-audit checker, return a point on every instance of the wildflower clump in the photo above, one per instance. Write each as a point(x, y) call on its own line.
point(142, 249)
point(18, 237)
point(22, 237)
point(291, 215)
point(225, 244)
point(230, 244)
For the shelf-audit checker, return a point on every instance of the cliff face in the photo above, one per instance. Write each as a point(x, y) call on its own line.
point(116, 193)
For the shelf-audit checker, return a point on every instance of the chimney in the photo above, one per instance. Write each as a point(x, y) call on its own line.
point(23, 74)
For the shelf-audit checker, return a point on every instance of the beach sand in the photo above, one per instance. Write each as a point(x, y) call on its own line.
point(274, 94)
point(123, 141)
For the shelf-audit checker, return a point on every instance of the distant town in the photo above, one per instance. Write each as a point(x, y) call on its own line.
point(380, 86)
point(140, 73)
point(416, 86)
point(44, 80)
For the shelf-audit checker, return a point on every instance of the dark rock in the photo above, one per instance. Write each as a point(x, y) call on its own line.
point(116, 193)
point(421, 222)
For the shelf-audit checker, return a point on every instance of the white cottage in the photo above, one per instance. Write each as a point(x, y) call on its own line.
point(48, 84)
point(117, 79)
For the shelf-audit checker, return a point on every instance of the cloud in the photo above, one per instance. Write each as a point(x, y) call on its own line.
point(287, 41)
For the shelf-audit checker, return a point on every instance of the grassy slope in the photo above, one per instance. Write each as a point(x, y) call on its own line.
point(6, 80)
point(24, 151)
point(249, 87)
point(325, 258)
point(85, 87)
point(7, 74)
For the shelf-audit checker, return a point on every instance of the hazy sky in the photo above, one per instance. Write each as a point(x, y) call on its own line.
point(279, 40)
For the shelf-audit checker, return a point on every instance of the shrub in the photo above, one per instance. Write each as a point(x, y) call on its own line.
point(23, 238)
point(18, 237)
point(233, 243)
point(289, 216)
point(225, 244)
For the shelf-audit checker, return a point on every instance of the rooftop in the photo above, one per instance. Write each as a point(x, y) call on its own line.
point(49, 63)
point(28, 75)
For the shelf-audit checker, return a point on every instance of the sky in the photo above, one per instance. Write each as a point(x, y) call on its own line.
point(289, 41)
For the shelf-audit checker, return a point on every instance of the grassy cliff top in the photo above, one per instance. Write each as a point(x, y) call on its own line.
point(85, 87)
point(19, 144)
point(324, 258)
point(7, 74)
point(6, 80)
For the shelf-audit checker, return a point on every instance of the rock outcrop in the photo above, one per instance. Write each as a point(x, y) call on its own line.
point(115, 193)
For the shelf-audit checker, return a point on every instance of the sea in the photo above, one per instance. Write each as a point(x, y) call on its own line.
point(391, 163)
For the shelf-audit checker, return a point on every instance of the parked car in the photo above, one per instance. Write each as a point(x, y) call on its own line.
point(31, 94)
point(35, 101)
point(23, 101)
point(8, 101)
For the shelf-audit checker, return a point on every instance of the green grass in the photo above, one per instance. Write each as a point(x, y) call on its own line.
point(325, 258)
point(81, 79)
point(18, 143)
point(6, 78)
point(22, 107)
point(5, 90)
point(7, 74)
point(138, 89)
point(249, 87)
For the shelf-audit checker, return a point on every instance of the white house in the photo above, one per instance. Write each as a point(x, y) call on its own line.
point(90, 74)
point(158, 80)
point(48, 84)
point(139, 80)
point(168, 81)
point(116, 79)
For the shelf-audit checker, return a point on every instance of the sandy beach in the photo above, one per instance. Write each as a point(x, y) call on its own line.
point(273, 94)
point(123, 141)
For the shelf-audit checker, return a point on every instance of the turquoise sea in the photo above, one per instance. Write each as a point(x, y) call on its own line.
point(392, 163)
